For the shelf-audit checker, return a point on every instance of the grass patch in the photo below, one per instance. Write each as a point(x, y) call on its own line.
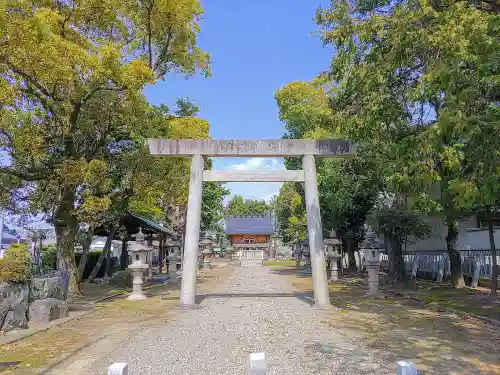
point(280, 263)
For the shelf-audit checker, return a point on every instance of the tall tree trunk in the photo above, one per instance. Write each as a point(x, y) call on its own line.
point(104, 254)
point(107, 264)
point(396, 265)
point(351, 256)
point(66, 229)
point(85, 253)
point(457, 277)
point(124, 255)
point(494, 265)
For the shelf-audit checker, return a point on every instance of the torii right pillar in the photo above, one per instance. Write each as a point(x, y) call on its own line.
point(315, 233)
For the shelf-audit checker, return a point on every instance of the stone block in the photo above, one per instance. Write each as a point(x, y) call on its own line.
point(16, 317)
point(47, 287)
point(13, 306)
point(64, 275)
point(45, 310)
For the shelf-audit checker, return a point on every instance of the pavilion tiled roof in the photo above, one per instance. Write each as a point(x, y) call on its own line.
point(249, 225)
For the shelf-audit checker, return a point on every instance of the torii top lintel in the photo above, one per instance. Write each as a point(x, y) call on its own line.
point(251, 148)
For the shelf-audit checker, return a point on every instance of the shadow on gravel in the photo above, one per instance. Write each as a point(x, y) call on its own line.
point(306, 297)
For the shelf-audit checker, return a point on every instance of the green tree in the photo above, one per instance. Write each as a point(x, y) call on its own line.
point(398, 225)
point(238, 206)
point(60, 62)
point(290, 213)
point(415, 83)
point(346, 187)
point(212, 211)
point(257, 207)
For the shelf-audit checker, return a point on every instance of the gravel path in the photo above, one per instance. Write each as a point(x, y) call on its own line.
point(218, 338)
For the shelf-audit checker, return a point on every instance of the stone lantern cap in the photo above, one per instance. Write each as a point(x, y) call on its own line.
point(371, 241)
point(332, 239)
point(139, 245)
point(172, 243)
point(206, 241)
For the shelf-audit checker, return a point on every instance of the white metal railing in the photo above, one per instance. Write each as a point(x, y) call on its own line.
point(475, 263)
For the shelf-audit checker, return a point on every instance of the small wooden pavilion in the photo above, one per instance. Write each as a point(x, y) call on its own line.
point(156, 235)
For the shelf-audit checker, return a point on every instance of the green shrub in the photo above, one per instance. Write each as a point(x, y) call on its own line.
point(122, 279)
point(49, 256)
point(15, 264)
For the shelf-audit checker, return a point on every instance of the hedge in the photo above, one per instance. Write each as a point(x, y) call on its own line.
point(50, 262)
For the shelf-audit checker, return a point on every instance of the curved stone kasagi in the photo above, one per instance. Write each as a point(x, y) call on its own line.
point(252, 148)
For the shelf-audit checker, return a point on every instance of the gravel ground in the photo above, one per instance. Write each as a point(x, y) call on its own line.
point(218, 338)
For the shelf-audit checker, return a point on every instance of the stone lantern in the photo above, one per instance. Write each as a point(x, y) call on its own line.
point(139, 266)
point(206, 250)
point(306, 254)
point(297, 253)
point(231, 251)
point(174, 258)
point(333, 250)
point(371, 252)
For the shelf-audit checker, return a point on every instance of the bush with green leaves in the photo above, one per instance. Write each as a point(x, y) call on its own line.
point(122, 279)
point(15, 264)
point(49, 255)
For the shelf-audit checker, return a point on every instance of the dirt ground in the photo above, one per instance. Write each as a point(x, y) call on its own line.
point(114, 321)
point(437, 342)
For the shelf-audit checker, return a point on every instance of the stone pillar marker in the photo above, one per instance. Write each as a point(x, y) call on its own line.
point(190, 263)
point(318, 264)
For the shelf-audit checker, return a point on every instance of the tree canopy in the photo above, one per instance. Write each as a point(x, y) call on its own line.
point(73, 117)
point(238, 206)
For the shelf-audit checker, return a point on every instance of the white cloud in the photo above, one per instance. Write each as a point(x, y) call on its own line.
point(250, 190)
point(256, 164)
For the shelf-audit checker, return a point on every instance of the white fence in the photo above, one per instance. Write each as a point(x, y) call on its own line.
point(258, 366)
point(475, 263)
point(252, 257)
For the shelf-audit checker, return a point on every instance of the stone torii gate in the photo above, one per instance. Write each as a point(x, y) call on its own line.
point(197, 149)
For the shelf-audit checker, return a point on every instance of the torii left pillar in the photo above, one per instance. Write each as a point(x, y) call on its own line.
point(190, 262)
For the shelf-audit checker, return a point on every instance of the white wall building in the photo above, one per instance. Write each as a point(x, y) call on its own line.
point(473, 235)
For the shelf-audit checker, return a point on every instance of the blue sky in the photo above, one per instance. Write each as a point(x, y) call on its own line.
point(256, 48)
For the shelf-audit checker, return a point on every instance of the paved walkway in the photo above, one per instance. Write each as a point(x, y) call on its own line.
point(255, 310)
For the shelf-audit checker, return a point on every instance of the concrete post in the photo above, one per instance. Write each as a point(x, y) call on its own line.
point(190, 261)
point(258, 364)
point(405, 368)
point(118, 369)
point(315, 233)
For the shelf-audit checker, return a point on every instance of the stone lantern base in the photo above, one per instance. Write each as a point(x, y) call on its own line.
point(137, 293)
point(373, 281)
point(334, 269)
